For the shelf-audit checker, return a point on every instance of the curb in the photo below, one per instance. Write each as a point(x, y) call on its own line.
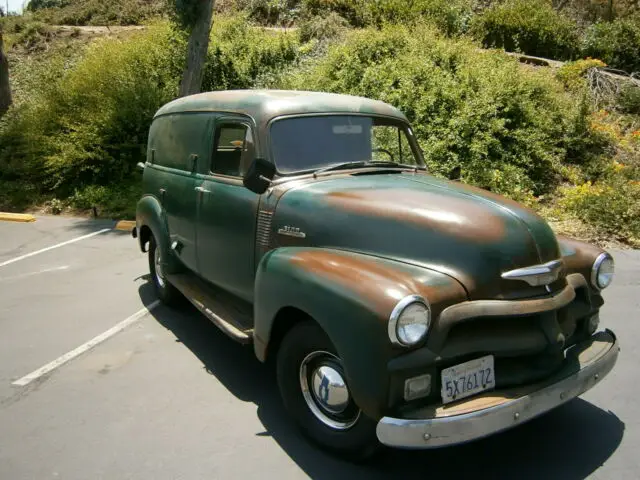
point(16, 217)
point(125, 225)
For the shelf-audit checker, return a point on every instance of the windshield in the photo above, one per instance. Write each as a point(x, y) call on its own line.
point(309, 143)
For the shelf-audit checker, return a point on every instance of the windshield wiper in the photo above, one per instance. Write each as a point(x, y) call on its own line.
point(362, 163)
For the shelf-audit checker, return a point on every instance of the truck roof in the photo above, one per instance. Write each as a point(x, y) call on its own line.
point(263, 105)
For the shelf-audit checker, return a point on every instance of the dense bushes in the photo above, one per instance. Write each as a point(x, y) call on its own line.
point(450, 16)
point(528, 26)
point(322, 27)
point(616, 43)
point(612, 206)
point(96, 12)
point(241, 55)
point(508, 129)
point(87, 125)
point(90, 125)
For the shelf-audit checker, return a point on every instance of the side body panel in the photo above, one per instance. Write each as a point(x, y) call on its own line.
point(226, 235)
point(351, 296)
point(176, 143)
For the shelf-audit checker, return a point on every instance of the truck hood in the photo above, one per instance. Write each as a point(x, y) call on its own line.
point(462, 231)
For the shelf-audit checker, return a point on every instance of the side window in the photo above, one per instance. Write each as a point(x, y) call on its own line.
point(233, 150)
point(176, 138)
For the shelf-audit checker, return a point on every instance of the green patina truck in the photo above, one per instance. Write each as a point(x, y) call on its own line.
point(399, 308)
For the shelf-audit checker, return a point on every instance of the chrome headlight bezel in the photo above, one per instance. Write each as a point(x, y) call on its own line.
point(396, 315)
point(595, 270)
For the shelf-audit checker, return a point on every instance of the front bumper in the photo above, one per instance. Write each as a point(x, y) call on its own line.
point(585, 365)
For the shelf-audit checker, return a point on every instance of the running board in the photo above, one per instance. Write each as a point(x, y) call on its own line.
point(230, 314)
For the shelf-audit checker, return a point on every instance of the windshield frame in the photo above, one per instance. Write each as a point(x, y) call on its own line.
point(395, 121)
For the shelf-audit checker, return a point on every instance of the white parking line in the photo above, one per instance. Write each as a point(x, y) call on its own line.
point(31, 274)
point(27, 379)
point(73, 240)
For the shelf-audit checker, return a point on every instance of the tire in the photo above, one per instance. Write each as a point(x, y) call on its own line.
point(303, 352)
point(167, 293)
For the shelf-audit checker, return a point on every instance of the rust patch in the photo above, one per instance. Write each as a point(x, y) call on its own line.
point(458, 217)
point(380, 286)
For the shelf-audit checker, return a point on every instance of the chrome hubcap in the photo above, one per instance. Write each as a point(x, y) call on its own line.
point(325, 391)
point(157, 260)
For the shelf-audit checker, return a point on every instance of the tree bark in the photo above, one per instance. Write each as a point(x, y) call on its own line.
point(197, 50)
point(5, 89)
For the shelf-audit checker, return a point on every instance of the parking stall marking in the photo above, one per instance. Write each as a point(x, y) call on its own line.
point(58, 362)
point(62, 244)
point(31, 274)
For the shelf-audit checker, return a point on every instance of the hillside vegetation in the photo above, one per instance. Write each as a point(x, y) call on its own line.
point(555, 139)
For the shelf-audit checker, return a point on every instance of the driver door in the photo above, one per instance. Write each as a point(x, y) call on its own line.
point(227, 210)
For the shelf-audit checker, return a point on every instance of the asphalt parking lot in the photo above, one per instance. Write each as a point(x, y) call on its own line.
point(167, 395)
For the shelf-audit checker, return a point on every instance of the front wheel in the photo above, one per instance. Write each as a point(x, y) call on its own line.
point(313, 386)
point(166, 292)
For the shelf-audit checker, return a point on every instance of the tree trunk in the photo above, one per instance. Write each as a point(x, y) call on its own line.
point(197, 50)
point(5, 90)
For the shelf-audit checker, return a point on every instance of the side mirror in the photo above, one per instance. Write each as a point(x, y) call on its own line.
point(259, 176)
point(455, 173)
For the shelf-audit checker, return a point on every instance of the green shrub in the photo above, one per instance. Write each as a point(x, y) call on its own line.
point(100, 12)
point(34, 5)
point(271, 12)
point(613, 206)
point(629, 99)
point(33, 36)
point(507, 127)
point(82, 125)
point(572, 74)
point(117, 200)
point(528, 26)
point(89, 126)
point(356, 12)
point(450, 16)
point(616, 43)
point(324, 27)
point(240, 54)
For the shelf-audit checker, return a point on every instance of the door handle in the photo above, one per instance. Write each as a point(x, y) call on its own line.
point(201, 190)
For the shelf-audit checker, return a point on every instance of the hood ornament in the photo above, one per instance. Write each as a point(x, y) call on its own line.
point(536, 275)
point(292, 232)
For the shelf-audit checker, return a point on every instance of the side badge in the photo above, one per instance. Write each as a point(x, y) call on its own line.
point(292, 232)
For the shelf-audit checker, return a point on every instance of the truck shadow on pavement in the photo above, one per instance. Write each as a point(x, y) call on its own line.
point(568, 443)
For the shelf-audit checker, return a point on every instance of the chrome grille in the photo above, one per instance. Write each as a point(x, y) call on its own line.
point(263, 232)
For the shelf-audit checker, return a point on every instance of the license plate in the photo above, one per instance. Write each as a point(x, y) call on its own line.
point(466, 379)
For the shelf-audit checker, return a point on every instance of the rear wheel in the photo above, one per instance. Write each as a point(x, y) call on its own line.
point(313, 386)
point(166, 292)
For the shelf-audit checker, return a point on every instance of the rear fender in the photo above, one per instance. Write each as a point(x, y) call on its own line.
point(150, 214)
point(351, 296)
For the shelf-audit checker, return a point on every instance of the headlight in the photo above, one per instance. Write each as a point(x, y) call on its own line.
point(602, 271)
point(409, 321)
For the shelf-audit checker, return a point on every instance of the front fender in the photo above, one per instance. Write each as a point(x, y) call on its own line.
point(351, 296)
point(150, 214)
point(579, 257)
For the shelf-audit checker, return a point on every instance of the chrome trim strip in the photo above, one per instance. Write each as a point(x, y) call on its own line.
point(489, 308)
point(395, 315)
point(536, 275)
point(439, 432)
